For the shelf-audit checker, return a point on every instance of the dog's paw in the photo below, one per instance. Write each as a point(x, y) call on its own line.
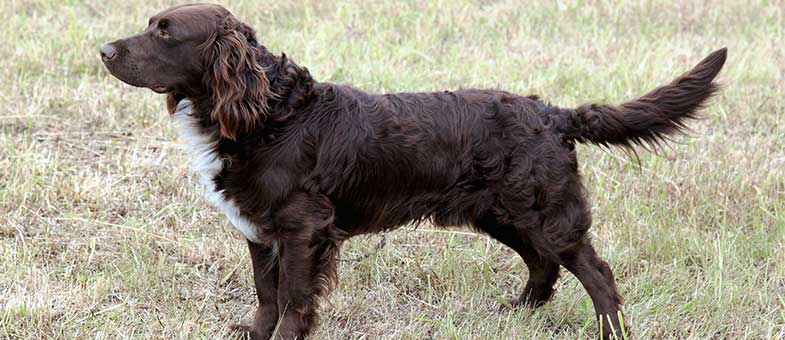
point(248, 332)
point(506, 305)
point(242, 331)
point(236, 327)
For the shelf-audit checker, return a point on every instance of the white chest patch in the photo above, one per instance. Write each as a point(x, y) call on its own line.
point(207, 163)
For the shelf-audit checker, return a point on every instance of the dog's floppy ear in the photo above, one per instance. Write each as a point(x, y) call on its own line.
point(236, 78)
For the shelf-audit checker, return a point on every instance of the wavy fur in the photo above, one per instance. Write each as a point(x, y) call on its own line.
point(309, 164)
point(651, 119)
point(240, 88)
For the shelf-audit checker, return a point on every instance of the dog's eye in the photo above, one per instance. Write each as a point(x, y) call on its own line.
point(163, 24)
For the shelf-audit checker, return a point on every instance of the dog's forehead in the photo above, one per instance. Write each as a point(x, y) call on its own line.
point(190, 12)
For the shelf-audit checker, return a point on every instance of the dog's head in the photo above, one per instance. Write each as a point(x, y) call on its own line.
point(198, 50)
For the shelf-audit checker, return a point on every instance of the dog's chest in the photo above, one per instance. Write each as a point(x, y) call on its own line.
point(206, 163)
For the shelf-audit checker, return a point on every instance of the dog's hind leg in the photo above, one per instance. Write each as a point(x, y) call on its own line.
point(565, 223)
point(597, 279)
point(543, 273)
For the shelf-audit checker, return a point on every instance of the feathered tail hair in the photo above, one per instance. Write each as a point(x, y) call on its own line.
point(651, 119)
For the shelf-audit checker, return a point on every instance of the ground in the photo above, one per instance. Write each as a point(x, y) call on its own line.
point(104, 234)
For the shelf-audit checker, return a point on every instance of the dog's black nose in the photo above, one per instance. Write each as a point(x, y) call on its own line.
point(107, 52)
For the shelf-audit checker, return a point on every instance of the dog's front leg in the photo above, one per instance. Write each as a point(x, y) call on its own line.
point(296, 294)
point(306, 254)
point(265, 274)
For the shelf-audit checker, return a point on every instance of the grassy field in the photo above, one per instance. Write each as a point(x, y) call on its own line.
point(104, 234)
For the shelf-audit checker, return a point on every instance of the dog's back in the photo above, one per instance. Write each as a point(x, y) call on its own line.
point(395, 158)
point(454, 155)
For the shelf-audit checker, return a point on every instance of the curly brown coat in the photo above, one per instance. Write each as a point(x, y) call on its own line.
point(299, 165)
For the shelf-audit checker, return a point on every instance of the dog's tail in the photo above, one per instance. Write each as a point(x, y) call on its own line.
point(651, 119)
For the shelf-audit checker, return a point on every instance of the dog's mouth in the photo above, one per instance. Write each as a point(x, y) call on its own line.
point(130, 74)
point(160, 89)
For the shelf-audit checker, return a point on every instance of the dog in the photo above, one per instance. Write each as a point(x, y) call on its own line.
point(299, 165)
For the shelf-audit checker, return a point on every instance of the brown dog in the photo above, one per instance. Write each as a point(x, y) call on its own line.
point(298, 165)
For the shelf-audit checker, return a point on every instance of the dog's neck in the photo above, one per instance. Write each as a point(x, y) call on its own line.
point(207, 162)
point(291, 86)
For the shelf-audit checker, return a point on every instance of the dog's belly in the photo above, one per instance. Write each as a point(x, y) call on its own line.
point(374, 212)
point(207, 164)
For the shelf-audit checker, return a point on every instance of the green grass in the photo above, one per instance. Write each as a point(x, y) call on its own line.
point(104, 234)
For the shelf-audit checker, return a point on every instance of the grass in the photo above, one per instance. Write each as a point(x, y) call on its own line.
point(104, 234)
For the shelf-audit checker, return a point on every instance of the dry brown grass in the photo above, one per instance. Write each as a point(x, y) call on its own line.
point(103, 233)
